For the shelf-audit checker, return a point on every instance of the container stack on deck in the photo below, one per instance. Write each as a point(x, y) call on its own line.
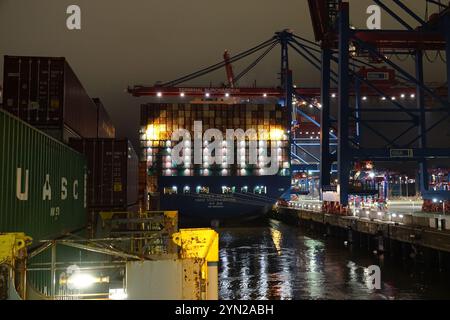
point(46, 93)
point(112, 175)
point(49, 189)
point(43, 182)
point(159, 121)
point(105, 126)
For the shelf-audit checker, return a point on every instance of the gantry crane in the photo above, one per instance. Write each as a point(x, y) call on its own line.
point(354, 52)
point(285, 93)
point(333, 30)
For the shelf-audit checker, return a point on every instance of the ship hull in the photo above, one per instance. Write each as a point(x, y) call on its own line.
point(217, 206)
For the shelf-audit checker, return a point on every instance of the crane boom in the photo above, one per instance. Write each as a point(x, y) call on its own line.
point(229, 69)
point(248, 92)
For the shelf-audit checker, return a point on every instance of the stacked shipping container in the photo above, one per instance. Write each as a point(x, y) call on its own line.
point(42, 189)
point(105, 127)
point(170, 117)
point(44, 182)
point(113, 173)
point(46, 93)
point(159, 121)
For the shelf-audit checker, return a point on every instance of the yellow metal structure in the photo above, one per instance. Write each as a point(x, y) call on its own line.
point(11, 247)
point(202, 245)
point(198, 243)
point(147, 234)
point(13, 256)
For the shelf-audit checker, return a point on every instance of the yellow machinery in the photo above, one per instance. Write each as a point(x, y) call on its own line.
point(155, 235)
point(148, 233)
point(190, 274)
point(13, 254)
point(203, 246)
point(183, 267)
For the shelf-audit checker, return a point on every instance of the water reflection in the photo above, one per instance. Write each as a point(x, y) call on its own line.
point(281, 262)
point(276, 238)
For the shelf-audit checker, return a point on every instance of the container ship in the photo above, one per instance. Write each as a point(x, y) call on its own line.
point(225, 190)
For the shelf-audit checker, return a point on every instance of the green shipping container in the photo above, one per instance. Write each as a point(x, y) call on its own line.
point(42, 182)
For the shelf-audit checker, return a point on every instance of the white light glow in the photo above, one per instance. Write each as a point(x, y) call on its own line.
point(117, 294)
point(81, 280)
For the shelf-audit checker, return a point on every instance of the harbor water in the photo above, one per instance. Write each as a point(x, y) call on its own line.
point(271, 260)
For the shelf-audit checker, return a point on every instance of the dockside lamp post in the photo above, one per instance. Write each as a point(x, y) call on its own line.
point(406, 182)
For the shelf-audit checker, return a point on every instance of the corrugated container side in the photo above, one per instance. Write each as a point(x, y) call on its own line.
point(42, 189)
point(34, 89)
point(62, 135)
point(46, 93)
point(80, 112)
point(105, 126)
point(112, 172)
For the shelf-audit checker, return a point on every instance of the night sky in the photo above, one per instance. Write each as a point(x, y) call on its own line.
point(142, 41)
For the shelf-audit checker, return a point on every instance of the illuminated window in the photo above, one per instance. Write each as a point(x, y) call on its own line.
point(244, 189)
point(228, 190)
point(186, 189)
point(171, 190)
point(202, 190)
point(260, 190)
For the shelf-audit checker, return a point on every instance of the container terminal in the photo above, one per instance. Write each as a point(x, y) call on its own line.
point(236, 191)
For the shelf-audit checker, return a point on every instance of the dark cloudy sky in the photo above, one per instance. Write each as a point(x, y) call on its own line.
point(130, 42)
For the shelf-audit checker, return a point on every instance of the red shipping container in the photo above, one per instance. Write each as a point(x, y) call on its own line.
point(112, 173)
point(105, 126)
point(46, 93)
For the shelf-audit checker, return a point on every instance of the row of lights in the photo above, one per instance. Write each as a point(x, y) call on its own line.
point(380, 213)
point(402, 96)
point(223, 172)
point(159, 94)
point(357, 211)
point(364, 98)
point(305, 206)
